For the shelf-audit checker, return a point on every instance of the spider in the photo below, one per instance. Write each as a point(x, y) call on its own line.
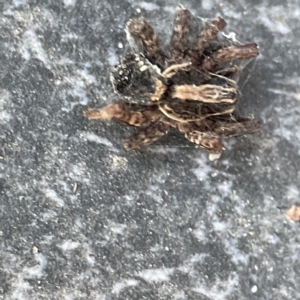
point(192, 89)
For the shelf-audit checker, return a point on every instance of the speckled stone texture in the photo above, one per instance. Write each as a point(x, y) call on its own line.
point(80, 218)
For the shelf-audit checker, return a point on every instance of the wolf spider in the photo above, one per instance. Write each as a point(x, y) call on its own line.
point(193, 89)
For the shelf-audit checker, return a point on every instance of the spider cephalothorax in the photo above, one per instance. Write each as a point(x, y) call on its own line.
point(192, 89)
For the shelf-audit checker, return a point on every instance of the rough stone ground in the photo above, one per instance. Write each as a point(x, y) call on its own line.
point(80, 218)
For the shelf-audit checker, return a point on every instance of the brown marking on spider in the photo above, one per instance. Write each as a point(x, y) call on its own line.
point(179, 39)
point(141, 30)
point(123, 113)
point(192, 90)
point(206, 93)
point(205, 37)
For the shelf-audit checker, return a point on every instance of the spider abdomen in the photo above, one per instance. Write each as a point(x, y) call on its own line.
point(206, 93)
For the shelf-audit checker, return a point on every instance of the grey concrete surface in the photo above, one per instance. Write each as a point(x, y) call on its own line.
point(80, 218)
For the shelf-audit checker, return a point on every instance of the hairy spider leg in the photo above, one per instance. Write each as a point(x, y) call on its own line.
point(227, 54)
point(207, 140)
point(205, 37)
point(142, 30)
point(123, 113)
point(229, 72)
point(179, 39)
point(239, 128)
point(233, 125)
point(146, 136)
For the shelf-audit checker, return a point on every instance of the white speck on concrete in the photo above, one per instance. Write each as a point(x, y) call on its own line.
point(37, 270)
point(68, 3)
point(51, 194)
point(32, 48)
point(148, 6)
point(69, 245)
point(156, 275)
point(207, 4)
point(121, 285)
point(91, 137)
